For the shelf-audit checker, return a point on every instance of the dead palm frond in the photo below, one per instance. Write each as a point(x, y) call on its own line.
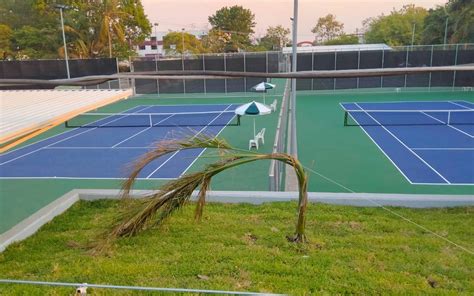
point(173, 195)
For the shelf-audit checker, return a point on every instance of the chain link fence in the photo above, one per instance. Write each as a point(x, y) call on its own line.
point(263, 62)
point(396, 57)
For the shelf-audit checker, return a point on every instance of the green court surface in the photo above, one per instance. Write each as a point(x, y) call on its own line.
point(21, 198)
point(346, 159)
point(345, 156)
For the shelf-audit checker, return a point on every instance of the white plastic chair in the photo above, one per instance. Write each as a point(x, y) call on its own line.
point(261, 136)
point(273, 106)
point(253, 143)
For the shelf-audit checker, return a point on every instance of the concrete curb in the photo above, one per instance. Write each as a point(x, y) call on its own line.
point(31, 224)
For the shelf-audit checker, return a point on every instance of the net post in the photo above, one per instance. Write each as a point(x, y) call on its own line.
point(345, 118)
point(448, 122)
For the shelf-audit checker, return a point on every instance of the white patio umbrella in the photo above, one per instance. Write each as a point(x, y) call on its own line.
point(253, 109)
point(263, 87)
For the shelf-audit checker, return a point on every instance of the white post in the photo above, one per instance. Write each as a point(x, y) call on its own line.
point(61, 7)
point(446, 31)
point(293, 148)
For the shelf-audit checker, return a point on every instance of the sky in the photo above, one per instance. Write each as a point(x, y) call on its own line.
point(193, 14)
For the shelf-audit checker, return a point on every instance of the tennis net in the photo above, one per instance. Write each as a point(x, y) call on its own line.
point(408, 117)
point(211, 118)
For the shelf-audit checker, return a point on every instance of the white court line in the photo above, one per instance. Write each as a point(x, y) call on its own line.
point(136, 134)
point(413, 102)
point(444, 123)
point(62, 140)
point(89, 147)
point(78, 178)
point(408, 148)
point(159, 167)
point(454, 103)
point(445, 184)
point(72, 130)
point(380, 148)
point(195, 159)
point(467, 102)
point(447, 149)
point(56, 135)
point(191, 138)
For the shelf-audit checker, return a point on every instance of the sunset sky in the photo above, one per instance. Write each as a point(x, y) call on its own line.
point(193, 14)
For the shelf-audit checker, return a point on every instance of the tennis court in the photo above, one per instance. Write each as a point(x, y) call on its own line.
point(103, 143)
point(428, 142)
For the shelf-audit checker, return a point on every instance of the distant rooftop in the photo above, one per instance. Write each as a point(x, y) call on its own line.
point(348, 47)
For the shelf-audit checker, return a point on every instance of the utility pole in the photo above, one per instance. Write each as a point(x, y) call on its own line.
point(413, 35)
point(292, 147)
point(61, 8)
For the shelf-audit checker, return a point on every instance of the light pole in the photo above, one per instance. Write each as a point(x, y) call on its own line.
point(61, 8)
point(293, 148)
point(156, 39)
point(413, 35)
point(446, 30)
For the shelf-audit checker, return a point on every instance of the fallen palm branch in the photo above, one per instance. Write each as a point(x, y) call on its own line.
point(176, 193)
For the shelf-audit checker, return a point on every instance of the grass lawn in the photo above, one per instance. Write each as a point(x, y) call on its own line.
point(243, 247)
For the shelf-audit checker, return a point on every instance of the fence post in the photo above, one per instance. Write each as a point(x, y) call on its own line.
point(157, 80)
point(312, 67)
point(406, 66)
point(245, 78)
point(455, 64)
point(184, 80)
point(431, 65)
point(335, 68)
point(383, 62)
point(225, 70)
point(358, 66)
point(204, 69)
point(118, 72)
point(266, 61)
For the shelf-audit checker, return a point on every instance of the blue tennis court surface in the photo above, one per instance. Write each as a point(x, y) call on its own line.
point(102, 151)
point(428, 142)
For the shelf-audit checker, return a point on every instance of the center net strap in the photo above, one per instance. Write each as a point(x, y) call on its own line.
point(211, 118)
point(408, 117)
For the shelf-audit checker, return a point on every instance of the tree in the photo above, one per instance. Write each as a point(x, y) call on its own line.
point(218, 41)
point(396, 28)
point(191, 43)
point(276, 38)
point(5, 41)
point(459, 15)
point(235, 21)
point(343, 39)
point(173, 195)
point(95, 28)
point(34, 43)
point(327, 28)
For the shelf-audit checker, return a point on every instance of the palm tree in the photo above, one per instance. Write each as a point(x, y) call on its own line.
point(110, 23)
point(93, 32)
point(173, 195)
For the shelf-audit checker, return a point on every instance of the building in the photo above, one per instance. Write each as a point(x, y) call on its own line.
point(154, 45)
